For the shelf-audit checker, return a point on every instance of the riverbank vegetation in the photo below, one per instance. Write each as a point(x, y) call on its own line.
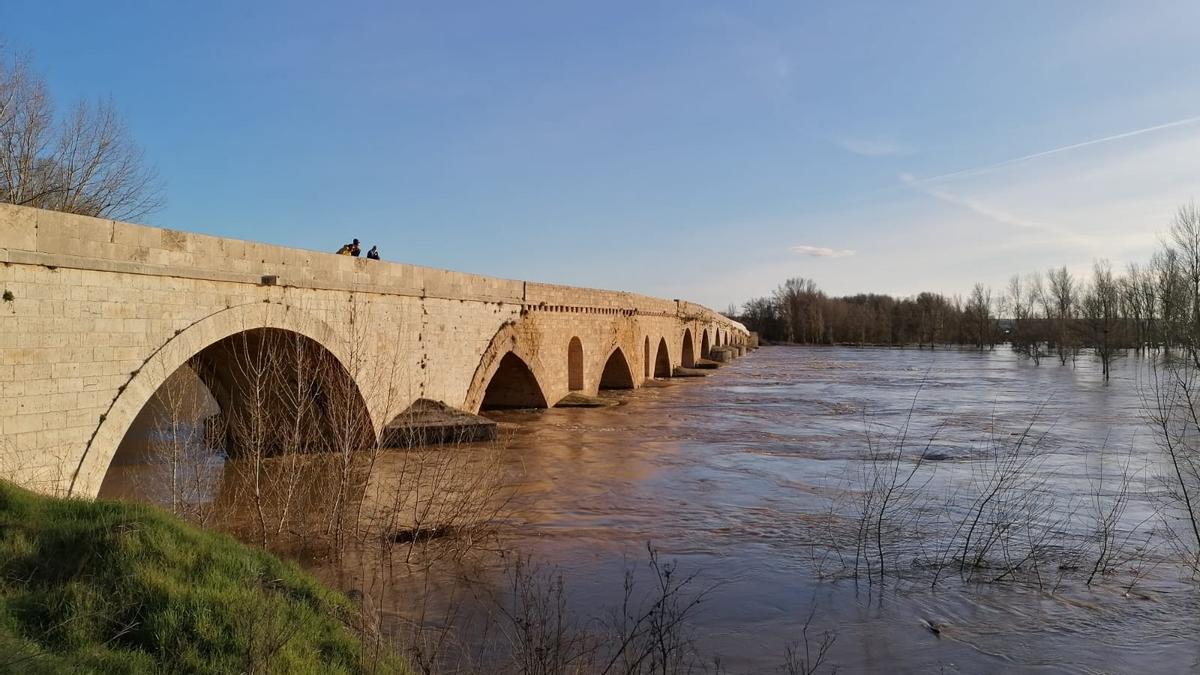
point(904, 514)
point(1153, 305)
point(1004, 523)
point(299, 475)
point(104, 586)
point(116, 587)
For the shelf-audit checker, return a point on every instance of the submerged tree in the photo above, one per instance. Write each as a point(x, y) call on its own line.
point(1101, 314)
point(979, 311)
point(84, 162)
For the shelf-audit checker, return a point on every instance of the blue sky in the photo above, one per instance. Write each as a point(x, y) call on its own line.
point(700, 151)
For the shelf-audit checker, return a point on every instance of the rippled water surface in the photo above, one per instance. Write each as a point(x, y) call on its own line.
point(732, 475)
point(735, 477)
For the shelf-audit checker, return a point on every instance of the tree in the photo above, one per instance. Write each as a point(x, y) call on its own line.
point(1062, 291)
point(1169, 288)
point(979, 309)
point(1133, 301)
point(931, 315)
point(1016, 304)
point(84, 162)
point(1101, 304)
point(1035, 296)
point(1185, 232)
point(801, 304)
point(762, 315)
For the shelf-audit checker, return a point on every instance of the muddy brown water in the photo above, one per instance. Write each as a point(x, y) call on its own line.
point(733, 475)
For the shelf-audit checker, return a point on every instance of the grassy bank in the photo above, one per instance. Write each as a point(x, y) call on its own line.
point(115, 587)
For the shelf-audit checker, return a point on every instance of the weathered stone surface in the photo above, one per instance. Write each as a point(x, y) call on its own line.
point(578, 400)
point(428, 422)
point(722, 354)
point(104, 312)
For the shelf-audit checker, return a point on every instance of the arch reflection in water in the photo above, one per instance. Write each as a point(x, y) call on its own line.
point(251, 403)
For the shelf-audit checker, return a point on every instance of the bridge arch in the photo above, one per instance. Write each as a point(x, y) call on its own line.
point(510, 361)
point(662, 360)
point(575, 364)
point(705, 349)
point(513, 385)
point(688, 357)
point(616, 374)
point(202, 342)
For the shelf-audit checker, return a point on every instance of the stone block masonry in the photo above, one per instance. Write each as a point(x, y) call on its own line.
point(97, 314)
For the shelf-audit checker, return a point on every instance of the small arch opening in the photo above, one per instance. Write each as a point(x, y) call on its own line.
point(513, 386)
point(575, 365)
point(616, 374)
point(646, 359)
point(662, 360)
point(688, 358)
point(705, 351)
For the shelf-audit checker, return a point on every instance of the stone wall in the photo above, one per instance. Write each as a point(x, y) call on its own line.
point(98, 314)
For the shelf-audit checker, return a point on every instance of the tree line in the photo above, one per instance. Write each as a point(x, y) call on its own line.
point(1056, 315)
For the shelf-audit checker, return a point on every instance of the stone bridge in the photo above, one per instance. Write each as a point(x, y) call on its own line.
point(97, 315)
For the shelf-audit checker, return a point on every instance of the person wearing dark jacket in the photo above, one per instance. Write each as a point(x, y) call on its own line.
point(350, 249)
point(373, 254)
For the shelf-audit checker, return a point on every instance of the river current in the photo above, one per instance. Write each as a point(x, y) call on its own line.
point(733, 475)
point(739, 477)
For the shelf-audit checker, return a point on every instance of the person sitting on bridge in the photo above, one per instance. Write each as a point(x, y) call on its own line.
point(350, 249)
point(373, 254)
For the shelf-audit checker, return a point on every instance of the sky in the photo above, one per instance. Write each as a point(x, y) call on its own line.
point(705, 151)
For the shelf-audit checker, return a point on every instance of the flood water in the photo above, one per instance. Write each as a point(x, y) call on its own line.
point(732, 476)
point(741, 478)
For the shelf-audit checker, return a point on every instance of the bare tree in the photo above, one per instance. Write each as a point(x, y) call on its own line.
point(85, 163)
point(1185, 233)
point(1062, 291)
point(1035, 296)
point(1135, 304)
point(807, 658)
point(1174, 410)
point(979, 309)
point(1019, 303)
point(1101, 305)
point(1169, 287)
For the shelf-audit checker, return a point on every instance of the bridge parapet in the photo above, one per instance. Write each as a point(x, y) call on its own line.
point(50, 238)
point(34, 236)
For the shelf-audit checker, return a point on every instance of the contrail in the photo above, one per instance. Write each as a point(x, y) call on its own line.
point(1055, 151)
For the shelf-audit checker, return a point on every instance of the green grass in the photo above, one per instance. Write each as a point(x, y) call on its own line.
point(112, 587)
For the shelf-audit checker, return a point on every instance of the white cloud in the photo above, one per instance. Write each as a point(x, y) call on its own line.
point(822, 252)
point(873, 148)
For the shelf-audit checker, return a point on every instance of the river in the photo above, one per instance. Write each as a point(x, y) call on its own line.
point(743, 478)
